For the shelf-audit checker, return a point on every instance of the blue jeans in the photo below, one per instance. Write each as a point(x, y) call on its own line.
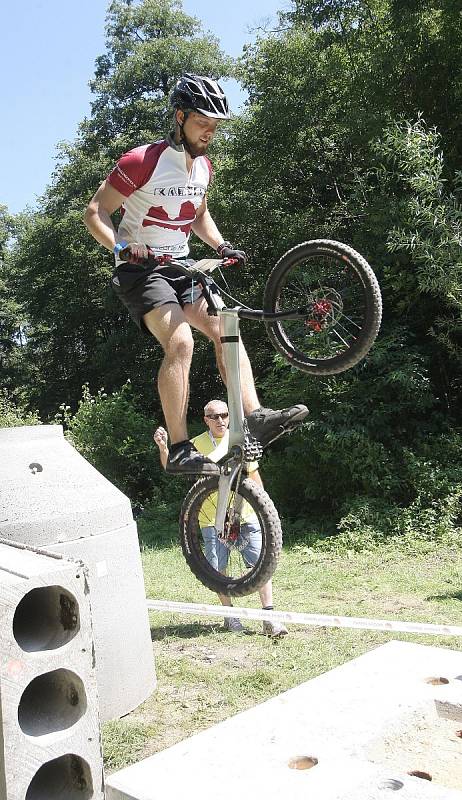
point(248, 543)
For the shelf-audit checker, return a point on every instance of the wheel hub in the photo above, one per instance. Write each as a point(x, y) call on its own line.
point(324, 310)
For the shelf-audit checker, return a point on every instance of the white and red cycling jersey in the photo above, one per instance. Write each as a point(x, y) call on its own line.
point(162, 197)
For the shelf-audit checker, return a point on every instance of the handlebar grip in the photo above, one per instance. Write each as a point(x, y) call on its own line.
point(151, 261)
point(228, 262)
point(124, 254)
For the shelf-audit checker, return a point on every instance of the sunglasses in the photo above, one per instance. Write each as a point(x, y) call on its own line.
point(218, 416)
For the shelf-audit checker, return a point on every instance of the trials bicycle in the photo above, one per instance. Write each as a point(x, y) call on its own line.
point(322, 311)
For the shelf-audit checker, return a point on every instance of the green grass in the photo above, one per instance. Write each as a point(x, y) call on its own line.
point(206, 674)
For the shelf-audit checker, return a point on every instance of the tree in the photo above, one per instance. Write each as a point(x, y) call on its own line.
point(351, 131)
point(78, 332)
point(14, 371)
point(325, 149)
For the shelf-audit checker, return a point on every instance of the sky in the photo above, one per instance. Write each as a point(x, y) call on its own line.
point(47, 58)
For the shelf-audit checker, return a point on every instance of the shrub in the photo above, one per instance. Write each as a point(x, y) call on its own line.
point(116, 438)
point(12, 415)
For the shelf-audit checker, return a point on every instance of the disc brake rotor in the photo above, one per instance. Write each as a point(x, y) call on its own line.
point(326, 308)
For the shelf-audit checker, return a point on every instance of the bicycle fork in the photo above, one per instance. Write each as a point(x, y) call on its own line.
point(229, 336)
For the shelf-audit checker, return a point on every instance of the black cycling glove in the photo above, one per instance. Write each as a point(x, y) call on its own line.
point(226, 250)
point(132, 252)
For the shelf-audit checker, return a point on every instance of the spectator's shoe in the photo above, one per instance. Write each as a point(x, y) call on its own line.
point(234, 625)
point(274, 629)
point(267, 425)
point(184, 459)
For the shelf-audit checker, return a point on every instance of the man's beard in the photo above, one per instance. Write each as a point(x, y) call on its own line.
point(193, 149)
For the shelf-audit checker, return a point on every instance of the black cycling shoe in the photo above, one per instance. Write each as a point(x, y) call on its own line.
point(186, 460)
point(267, 425)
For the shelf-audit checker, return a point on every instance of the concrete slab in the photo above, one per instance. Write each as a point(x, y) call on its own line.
point(335, 722)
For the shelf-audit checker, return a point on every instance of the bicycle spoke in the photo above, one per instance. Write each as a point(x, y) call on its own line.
point(334, 300)
point(229, 547)
point(336, 333)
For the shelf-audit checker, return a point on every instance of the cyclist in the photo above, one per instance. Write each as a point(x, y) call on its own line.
point(216, 418)
point(161, 189)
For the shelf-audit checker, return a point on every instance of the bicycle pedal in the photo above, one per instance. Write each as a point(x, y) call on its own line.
point(252, 449)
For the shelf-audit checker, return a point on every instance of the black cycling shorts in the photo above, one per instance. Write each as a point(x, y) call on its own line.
point(141, 289)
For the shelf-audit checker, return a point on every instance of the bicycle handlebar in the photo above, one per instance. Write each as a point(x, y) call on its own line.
point(165, 260)
point(209, 264)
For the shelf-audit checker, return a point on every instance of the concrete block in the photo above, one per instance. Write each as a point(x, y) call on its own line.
point(52, 497)
point(125, 663)
point(50, 493)
point(49, 735)
point(353, 733)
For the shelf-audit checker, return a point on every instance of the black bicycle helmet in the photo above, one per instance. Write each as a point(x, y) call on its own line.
point(201, 94)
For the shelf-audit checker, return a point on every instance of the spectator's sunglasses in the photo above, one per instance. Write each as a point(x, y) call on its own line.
point(225, 415)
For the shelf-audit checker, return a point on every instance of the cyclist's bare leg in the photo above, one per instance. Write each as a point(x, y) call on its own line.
point(171, 329)
point(197, 316)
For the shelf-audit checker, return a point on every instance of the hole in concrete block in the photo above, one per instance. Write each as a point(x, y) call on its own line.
point(391, 783)
point(45, 619)
point(419, 738)
point(303, 762)
point(68, 776)
point(459, 734)
point(418, 773)
point(52, 702)
point(437, 681)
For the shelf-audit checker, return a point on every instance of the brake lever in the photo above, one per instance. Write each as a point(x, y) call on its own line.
point(228, 262)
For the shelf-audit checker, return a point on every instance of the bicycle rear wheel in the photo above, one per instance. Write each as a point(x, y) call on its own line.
point(247, 564)
point(343, 306)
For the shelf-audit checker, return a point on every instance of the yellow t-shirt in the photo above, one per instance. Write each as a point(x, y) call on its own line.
point(206, 444)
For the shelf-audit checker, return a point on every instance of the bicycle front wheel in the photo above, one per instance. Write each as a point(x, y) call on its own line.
point(343, 306)
point(246, 556)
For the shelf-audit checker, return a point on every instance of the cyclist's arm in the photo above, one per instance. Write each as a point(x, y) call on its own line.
point(204, 227)
point(98, 214)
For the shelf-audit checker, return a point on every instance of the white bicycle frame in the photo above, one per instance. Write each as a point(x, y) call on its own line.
point(230, 340)
point(232, 461)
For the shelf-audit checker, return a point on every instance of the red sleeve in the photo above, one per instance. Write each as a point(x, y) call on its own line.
point(210, 169)
point(135, 168)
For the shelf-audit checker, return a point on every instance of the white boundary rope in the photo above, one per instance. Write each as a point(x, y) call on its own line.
point(321, 620)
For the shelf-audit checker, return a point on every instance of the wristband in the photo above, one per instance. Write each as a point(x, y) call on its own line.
point(119, 246)
point(222, 245)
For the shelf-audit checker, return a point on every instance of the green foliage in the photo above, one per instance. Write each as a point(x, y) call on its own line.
point(14, 369)
point(149, 45)
point(325, 134)
point(73, 322)
point(378, 456)
point(12, 415)
point(115, 436)
point(158, 524)
point(326, 147)
point(427, 236)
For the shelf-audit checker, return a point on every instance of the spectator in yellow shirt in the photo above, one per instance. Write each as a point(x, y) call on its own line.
point(216, 418)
